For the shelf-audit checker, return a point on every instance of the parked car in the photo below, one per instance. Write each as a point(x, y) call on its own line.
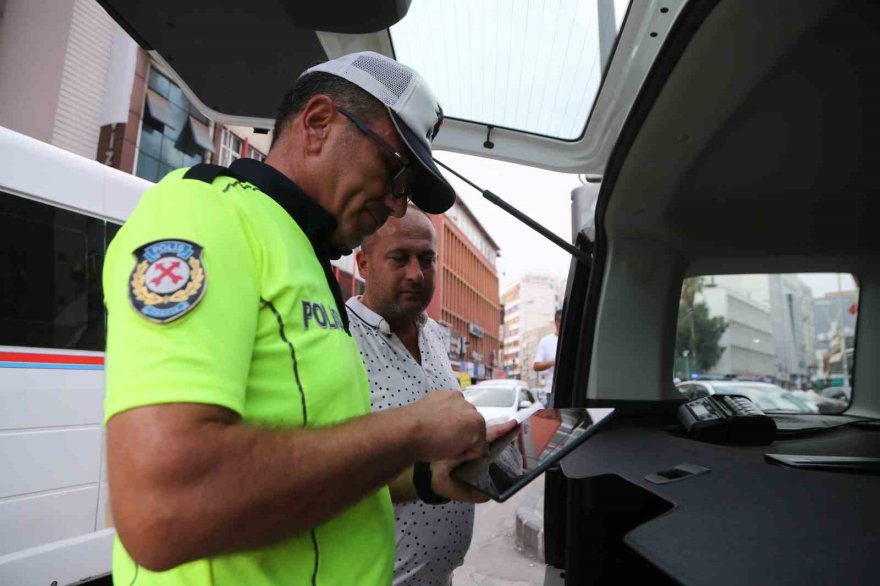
point(768, 397)
point(498, 400)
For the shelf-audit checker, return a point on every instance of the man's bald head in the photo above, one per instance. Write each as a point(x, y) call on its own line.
point(398, 264)
point(414, 218)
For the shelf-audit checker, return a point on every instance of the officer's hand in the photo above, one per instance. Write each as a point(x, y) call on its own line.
point(444, 485)
point(449, 428)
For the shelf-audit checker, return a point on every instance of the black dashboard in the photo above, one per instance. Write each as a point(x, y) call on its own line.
point(746, 520)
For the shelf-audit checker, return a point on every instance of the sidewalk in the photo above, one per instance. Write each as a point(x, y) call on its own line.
point(530, 523)
point(495, 557)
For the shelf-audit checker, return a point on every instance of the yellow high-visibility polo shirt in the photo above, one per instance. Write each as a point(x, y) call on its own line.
point(219, 291)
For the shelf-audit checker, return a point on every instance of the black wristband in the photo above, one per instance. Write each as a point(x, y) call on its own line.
point(422, 481)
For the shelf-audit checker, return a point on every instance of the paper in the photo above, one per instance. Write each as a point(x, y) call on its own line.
point(519, 417)
point(524, 414)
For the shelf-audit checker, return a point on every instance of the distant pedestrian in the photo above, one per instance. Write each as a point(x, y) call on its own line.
point(545, 359)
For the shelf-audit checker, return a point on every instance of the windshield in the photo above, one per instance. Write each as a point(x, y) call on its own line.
point(529, 66)
point(490, 397)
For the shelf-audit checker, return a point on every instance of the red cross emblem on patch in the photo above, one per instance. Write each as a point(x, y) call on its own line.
point(166, 272)
point(168, 279)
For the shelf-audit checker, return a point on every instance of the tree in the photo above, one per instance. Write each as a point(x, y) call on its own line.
point(697, 336)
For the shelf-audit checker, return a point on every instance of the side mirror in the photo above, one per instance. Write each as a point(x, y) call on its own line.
point(525, 404)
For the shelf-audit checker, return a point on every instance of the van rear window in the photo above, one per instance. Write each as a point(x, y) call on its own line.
point(785, 341)
point(50, 276)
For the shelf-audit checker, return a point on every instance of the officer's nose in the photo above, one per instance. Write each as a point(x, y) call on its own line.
point(396, 205)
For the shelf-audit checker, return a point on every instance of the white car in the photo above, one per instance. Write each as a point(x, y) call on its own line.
point(498, 400)
point(768, 397)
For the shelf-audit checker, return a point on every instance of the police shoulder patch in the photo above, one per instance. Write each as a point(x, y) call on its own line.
point(168, 279)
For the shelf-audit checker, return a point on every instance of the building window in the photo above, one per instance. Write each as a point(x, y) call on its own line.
point(255, 154)
point(230, 147)
point(172, 130)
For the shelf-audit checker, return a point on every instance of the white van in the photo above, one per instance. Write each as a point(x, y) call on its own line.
point(58, 212)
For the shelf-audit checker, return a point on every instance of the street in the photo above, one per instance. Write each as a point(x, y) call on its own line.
point(494, 558)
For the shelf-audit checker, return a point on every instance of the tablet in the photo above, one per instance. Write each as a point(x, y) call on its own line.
point(523, 454)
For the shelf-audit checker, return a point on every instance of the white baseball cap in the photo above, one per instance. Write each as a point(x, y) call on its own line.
point(414, 110)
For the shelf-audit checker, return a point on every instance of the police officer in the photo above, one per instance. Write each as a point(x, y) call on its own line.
point(240, 445)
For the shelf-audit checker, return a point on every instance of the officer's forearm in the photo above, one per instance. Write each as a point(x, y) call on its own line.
point(190, 481)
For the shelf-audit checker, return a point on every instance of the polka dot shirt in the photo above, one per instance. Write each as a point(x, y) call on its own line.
point(431, 540)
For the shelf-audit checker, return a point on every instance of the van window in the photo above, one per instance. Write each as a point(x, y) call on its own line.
point(787, 341)
point(50, 276)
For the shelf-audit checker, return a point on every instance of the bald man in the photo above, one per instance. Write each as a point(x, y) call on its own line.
point(405, 357)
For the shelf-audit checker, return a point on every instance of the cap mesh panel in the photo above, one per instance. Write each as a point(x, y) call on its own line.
point(391, 75)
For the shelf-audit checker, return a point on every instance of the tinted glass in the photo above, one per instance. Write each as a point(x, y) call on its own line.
point(50, 290)
point(159, 83)
point(159, 149)
point(147, 167)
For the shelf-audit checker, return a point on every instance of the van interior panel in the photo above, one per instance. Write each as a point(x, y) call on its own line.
point(760, 521)
point(751, 150)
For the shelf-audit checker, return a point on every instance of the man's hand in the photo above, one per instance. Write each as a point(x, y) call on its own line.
point(449, 428)
point(444, 485)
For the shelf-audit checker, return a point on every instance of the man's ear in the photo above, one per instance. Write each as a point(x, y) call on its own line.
point(315, 121)
point(363, 263)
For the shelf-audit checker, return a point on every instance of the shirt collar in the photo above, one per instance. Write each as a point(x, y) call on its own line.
point(314, 220)
point(373, 319)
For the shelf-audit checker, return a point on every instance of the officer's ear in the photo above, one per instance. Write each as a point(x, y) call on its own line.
point(316, 120)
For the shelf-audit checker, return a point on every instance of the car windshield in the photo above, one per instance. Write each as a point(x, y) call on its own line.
point(490, 396)
point(507, 65)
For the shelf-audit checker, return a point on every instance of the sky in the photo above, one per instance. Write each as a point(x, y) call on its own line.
point(545, 196)
point(822, 283)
